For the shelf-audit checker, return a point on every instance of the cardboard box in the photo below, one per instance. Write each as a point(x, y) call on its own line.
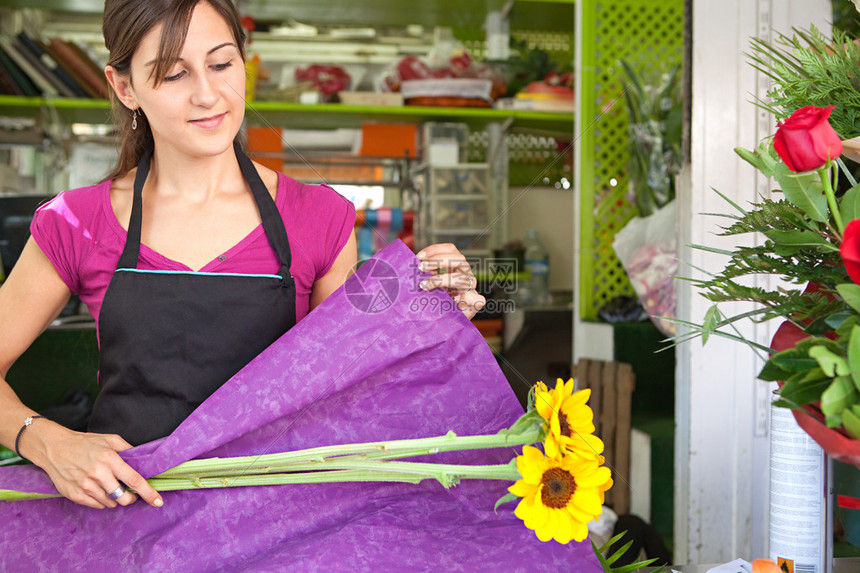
point(389, 140)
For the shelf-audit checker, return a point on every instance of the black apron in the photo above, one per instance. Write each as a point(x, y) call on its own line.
point(169, 339)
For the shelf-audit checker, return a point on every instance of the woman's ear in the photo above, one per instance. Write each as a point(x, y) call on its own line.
point(122, 87)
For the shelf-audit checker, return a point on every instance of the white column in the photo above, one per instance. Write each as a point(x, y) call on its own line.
point(721, 449)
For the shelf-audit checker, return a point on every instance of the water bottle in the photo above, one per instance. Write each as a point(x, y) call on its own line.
point(537, 265)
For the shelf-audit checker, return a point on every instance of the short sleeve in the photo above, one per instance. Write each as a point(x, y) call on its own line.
point(58, 232)
point(336, 215)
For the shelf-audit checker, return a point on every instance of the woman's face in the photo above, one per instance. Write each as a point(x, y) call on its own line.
point(198, 108)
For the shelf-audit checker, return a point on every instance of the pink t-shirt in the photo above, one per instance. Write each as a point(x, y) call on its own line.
point(82, 238)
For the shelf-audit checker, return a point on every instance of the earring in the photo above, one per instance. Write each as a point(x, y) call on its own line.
point(134, 118)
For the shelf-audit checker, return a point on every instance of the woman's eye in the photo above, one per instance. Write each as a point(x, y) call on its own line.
point(222, 67)
point(174, 77)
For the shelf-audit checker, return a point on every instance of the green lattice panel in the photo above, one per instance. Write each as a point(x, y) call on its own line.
point(533, 160)
point(649, 34)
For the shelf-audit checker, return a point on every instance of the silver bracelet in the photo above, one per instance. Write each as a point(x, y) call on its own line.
point(27, 422)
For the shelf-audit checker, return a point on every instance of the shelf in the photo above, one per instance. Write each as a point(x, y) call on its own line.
point(323, 116)
point(70, 110)
point(318, 116)
point(461, 197)
point(554, 15)
point(459, 231)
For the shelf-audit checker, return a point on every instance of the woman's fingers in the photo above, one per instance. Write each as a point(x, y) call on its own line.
point(450, 270)
point(452, 282)
point(438, 250)
point(136, 482)
point(470, 303)
point(87, 469)
point(126, 475)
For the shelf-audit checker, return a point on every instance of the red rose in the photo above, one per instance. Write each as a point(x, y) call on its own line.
point(805, 141)
point(850, 250)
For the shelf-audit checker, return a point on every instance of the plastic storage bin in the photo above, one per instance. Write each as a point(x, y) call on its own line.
point(472, 180)
point(461, 214)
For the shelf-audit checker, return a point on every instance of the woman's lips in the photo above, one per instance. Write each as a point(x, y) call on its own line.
point(209, 122)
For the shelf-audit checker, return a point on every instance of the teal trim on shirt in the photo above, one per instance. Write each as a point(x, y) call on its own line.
point(279, 277)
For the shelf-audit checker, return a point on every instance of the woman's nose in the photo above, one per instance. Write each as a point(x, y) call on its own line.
point(205, 93)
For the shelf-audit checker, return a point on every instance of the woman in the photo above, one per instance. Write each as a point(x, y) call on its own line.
point(191, 257)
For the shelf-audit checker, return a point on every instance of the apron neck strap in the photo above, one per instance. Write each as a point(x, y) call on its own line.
point(273, 224)
point(131, 251)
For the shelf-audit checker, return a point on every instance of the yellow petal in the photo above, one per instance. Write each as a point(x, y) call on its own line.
point(578, 415)
point(568, 386)
point(587, 500)
point(587, 445)
point(537, 514)
point(563, 528)
point(544, 404)
point(603, 489)
point(550, 444)
point(530, 465)
point(525, 508)
point(595, 478)
point(554, 424)
point(580, 531)
point(532, 453)
point(576, 515)
point(580, 398)
point(522, 489)
point(545, 531)
point(606, 486)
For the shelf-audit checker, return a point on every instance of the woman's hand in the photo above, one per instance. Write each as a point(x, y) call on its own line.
point(452, 272)
point(86, 468)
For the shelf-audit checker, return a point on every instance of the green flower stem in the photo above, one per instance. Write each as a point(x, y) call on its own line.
point(343, 463)
point(831, 198)
point(364, 464)
point(175, 484)
point(446, 474)
point(370, 450)
point(12, 495)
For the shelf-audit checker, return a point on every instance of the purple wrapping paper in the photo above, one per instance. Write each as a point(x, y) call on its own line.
point(379, 360)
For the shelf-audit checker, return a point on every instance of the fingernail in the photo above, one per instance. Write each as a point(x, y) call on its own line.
point(421, 255)
point(158, 502)
point(425, 284)
point(423, 266)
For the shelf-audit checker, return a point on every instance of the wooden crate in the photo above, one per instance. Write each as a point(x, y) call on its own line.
point(612, 385)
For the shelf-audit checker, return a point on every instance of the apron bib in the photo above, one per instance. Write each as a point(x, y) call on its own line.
point(169, 339)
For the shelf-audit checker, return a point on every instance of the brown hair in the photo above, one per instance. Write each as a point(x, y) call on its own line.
point(124, 25)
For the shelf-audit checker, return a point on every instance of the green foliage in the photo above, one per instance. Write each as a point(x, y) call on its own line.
point(809, 68)
point(845, 17)
point(797, 250)
point(607, 562)
point(655, 118)
point(527, 65)
point(797, 237)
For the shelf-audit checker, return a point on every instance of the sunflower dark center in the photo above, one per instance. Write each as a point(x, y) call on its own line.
point(565, 427)
point(558, 488)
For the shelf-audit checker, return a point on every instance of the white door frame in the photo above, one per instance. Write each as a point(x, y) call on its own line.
point(721, 443)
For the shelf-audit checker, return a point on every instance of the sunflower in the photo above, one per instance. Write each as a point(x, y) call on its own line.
point(570, 424)
point(560, 495)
